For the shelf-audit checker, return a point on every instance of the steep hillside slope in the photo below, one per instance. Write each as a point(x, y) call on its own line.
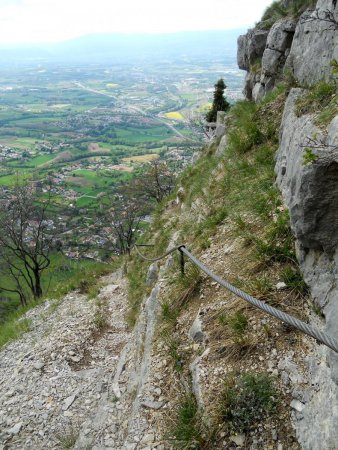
point(230, 214)
point(198, 367)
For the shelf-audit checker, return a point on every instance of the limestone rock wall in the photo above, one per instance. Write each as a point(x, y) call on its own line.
point(311, 193)
point(310, 190)
point(303, 47)
point(315, 43)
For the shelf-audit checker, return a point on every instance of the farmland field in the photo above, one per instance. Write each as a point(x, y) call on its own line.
point(76, 123)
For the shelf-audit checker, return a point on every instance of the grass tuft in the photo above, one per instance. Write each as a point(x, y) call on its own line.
point(320, 98)
point(277, 11)
point(238, 323)
point(67, 438)
point(186, 430)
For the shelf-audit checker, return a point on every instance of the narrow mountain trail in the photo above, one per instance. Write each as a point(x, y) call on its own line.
point(78, 378)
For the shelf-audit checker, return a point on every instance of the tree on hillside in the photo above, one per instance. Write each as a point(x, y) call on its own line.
point(25, 243)
point(155, 182)
point(125, 214)
point(219, 103)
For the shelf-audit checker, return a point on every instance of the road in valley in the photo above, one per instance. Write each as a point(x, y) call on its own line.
point(138, 110)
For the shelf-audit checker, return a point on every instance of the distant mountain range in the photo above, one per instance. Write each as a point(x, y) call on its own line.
point(107, 47)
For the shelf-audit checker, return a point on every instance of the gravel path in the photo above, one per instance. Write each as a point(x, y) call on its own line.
point(57, 374)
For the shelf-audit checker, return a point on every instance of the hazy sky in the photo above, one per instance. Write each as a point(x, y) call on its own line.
point(56, 20)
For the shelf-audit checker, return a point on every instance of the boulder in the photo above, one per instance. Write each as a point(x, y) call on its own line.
point(281, 35)
point(258, 92)
point(271, 62)
point(220, 124)
point(250, 47)
point(315, 44)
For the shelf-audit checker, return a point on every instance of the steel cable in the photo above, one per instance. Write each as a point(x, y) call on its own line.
point(325, 338)
point(172, 250)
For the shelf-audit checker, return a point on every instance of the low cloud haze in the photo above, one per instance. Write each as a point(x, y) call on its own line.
point(34, 21)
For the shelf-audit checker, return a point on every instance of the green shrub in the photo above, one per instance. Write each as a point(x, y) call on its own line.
point(309, 156)
point(246, 400)
point(208, 227)
point(172, 343)
point(137, 288)
point(184, 287)
point(196, 177)
point(100, 320)
point(169, 313)
point(274, 12)
point(297, 7)
point(278, 243)
point(260, 286)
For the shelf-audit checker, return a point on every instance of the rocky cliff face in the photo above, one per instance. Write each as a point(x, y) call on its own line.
point(305, 48)
point(311, 194)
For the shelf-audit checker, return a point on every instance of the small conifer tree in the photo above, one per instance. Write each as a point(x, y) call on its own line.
point(219, 103)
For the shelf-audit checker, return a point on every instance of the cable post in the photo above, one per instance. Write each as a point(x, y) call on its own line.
point(182, 262)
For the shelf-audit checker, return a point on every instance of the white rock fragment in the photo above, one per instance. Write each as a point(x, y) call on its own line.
point(16, 429)
point(148, 438)
point(151, 404)
point(196, 332)
point(68, 402)
point(281, 286)
point(239, 439)
point(38, 365)
point(297, 405)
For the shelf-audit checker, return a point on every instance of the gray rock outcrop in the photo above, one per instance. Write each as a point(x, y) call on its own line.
point(277, 49)
point(196, 330)
point(152, 274)
point(250, 47)
point(315, 44)
point(303, 47)
point(220, 124)
point(310, 191)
